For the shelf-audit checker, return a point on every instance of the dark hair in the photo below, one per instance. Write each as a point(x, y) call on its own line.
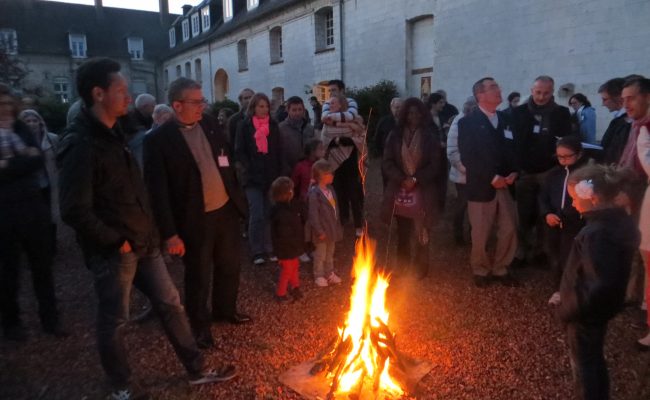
point(319, 169)
point(281, 189)
point(294, 100)
point(608, 180)
point(612, 87)
point(311, 146)
point(570, 142)
point(404, 111)
point(434, 98)
point(242, 92)
point(581, 98)
point(642, 83)
point(513, 96)
point(313, 98)
point(339, 83)
point(478, 86)
point(257, 97)
point(545, 78)
point(93, 73)
point(226, 111)
point(178, 86)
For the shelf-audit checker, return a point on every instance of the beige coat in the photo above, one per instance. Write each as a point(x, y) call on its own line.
point(643, 150)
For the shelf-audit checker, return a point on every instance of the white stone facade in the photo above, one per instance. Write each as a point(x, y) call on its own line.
point(452, 43)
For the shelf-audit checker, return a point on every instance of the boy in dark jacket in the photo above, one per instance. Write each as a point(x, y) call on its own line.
point(287, 237)
point(595, 278)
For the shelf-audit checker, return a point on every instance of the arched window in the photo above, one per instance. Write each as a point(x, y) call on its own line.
point(166, 78)
point(242, 55)
point(277, 97)
point(220, 85)
point(324, 28)
point(275, 44)
point(8, 41)
point(188, 70)
point(178, 71)
point(197, 70)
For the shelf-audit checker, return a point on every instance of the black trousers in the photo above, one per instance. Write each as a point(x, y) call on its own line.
point(558, 246)
point(24, 228)
point(409, 250)
point(349, 190)
point(586, 342)
point(213, 260)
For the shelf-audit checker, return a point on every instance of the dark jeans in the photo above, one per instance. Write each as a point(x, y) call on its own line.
point(114, 277)
point(558, 246)
point(213, 260)
point(460, 209)
point(531, 224)
point(409, 249)
point(24, 227)
point(586, 342)
point(259, 228)
point(349, 190)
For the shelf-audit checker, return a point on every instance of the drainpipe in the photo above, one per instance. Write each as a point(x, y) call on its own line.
point(341, 41)
point(210, 76)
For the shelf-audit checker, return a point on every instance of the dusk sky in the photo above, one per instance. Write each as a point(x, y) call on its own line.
point(150, 5)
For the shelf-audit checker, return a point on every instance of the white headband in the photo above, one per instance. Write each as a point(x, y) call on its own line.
point(585, 189)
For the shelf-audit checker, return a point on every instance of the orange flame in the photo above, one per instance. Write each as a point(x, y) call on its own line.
point(367, 306)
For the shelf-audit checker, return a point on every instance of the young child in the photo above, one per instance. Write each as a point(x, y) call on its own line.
point(324, 223)
point(341, 138)
point(593, 285)
point(287, 237)
point(301, 175)
point(563, 221)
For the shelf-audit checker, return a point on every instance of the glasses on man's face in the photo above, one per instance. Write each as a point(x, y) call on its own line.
point(565, 156)
point(202, 102)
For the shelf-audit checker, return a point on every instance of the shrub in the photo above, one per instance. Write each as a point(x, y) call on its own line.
point(376, 97)
point(54, 113)
point(227, 103)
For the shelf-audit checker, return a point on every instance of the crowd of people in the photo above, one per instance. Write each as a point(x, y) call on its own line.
point(141, 187)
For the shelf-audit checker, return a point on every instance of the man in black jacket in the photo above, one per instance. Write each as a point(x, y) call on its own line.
point(617, 132)
point(490, 171)
point(234, 120)
point(103, 198)
point(197, 202)
point(537, 124)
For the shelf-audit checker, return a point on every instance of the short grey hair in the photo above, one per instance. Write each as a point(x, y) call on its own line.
point(545, 79)
point(395, 100)
point(144, 99)
point(178, 86)
point(161, 109)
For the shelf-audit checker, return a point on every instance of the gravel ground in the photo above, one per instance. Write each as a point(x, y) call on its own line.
point(494, 343)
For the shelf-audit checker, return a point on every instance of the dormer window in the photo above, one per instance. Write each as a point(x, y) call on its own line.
point(250, 4)
point(8, 41)
point(136, 48)
point(205, 18)
point(186, 29)
point(227, 10)
point(196, 25)
point(172, 37)
point(77, 45)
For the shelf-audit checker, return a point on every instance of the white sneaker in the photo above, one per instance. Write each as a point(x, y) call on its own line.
point(644, 342)
point(321, 282)
point(555, 299)
point(333, 278)
point(358, 232)
point(304, 258)
point(273, 259)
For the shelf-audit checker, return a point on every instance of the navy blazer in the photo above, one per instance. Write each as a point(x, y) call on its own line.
point(485, 152)
point(174, 179)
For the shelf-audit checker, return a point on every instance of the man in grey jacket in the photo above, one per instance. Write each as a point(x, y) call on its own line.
point(296, 131)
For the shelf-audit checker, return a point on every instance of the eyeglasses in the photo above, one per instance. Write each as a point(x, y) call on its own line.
point(565, 156)
point(202, 102)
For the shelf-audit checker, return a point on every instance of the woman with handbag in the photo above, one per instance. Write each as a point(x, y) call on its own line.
point(411, 166)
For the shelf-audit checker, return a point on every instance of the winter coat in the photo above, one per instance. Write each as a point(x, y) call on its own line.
point(102, 193)
point(323, 218)
point(294, 138)
point(595, 277)
point(287, 232)
point(256, 169)
point(427, 175)
point(19, 180)
point(615, 139)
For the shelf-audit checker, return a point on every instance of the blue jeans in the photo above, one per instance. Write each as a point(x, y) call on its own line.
point(259, 229)
point(114, 277)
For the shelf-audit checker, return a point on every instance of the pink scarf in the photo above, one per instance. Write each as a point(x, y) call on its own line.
point(261, 132)
point(629, 158)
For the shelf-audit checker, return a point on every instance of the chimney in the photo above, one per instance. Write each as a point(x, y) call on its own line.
point(186, 9)
point(99, 8)
point(163, 9)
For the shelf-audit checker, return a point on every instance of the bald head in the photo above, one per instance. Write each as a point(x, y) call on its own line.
point(542, 90)
point(395, 106)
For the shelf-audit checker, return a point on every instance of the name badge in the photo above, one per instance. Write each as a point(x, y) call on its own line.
point(508, 134)
point(536, 129)
point(222, 160)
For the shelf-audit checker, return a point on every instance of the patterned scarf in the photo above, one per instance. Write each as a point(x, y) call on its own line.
point(411, 152)
point(261, 133)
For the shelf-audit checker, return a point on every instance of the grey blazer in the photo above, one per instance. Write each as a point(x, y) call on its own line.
point(322, 217)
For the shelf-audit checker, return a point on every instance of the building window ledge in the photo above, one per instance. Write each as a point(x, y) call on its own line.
point(276, 62)
point(243, 69)
point(325, 50)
